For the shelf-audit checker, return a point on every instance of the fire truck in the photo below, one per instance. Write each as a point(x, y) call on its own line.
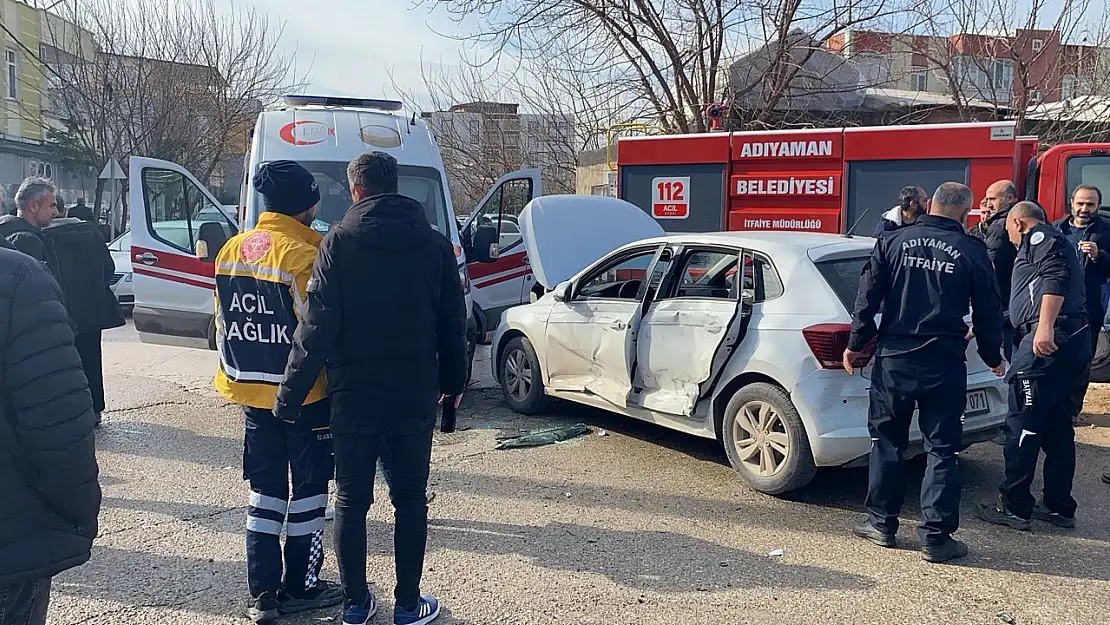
point(839, 180)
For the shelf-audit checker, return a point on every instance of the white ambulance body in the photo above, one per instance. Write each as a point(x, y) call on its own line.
point(178, 225)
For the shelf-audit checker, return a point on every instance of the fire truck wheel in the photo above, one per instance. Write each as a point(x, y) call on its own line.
point(521, 381)
point(765, 440)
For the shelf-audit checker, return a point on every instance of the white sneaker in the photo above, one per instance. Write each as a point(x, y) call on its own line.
point(329, 513)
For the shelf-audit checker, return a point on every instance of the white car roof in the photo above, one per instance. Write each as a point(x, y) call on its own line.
point(777, 243)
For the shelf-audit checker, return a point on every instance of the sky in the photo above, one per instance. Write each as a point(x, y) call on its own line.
point(353, 46)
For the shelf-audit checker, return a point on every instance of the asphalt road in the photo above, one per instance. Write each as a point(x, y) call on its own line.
point(638, 526)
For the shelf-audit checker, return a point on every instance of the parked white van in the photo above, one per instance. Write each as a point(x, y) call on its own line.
point(174, 275)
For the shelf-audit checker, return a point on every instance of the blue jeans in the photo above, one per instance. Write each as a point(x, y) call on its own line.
point(25, 603)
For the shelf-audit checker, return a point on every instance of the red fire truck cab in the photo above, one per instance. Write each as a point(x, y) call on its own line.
point(840, 180)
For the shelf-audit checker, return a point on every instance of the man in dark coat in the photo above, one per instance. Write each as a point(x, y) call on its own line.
point(913, 202)
point(49, 496)
point(386, 315)
point(80, 211)
point(1089, 235)
point(1001, 197)
point(79, 259)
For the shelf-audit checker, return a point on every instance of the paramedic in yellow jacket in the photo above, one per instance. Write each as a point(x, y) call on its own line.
point(261, 282)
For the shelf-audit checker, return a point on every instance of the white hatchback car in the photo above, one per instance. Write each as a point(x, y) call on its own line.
point(733, 336)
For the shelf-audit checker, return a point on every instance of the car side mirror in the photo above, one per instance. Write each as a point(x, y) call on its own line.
point(561, 292)
point(484, 243)
point(201, 250)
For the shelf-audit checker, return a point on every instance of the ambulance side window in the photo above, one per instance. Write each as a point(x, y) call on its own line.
point(178, 210)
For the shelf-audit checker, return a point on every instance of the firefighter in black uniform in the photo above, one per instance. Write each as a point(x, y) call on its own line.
point(1048, 311)
point(923, 277)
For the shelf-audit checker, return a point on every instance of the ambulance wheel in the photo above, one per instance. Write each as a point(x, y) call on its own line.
point(212, 334)
point(765, 440)
point(470, 349)
point(521, 382)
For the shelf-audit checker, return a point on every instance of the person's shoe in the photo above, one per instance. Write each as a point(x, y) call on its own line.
point(868, 532)
point(329, 513)
point(322, 595)
point(360, 614)
point(430, 496)
point(997, 513)
point(263, 608)
point(1106, 478)
point(99, 418)
point(938, 554)
point(1042, 513)
point(426, 610)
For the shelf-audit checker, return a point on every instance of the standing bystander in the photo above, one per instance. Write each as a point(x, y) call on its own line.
point(48, 475)
point(924, 277)
point(392, 341)
point(1049, 313)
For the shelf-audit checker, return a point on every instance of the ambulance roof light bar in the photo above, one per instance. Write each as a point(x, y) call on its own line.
point(337, 101)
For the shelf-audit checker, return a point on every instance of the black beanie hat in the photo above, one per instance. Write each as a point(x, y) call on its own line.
point(286, 187)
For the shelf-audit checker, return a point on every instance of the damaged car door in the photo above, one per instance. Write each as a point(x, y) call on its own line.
point(590, 337)
point(691, 329)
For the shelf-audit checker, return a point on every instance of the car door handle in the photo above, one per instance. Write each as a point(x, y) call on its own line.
point(147, 258)
point(618, 325)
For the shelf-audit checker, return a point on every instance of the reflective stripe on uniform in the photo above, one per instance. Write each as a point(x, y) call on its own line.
point(308, 504)
point(263, 526)
point(307, 527)
point(265, 502)
point(256, 271)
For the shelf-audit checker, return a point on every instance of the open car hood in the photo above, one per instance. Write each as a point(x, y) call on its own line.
point(563, 234)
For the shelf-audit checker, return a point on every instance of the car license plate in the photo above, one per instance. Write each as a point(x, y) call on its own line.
point(977, 403)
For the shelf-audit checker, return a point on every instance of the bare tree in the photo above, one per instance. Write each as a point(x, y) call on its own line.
point(488, 123)
point(180, 80)
point(665, 61)
point(1042, 64)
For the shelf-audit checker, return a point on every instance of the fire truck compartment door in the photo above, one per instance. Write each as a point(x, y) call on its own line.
point(873, 186)
point(563, 234)
point(683, 198)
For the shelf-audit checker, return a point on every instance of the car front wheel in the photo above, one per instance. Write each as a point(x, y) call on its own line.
point(521, 382)
point(765, 440)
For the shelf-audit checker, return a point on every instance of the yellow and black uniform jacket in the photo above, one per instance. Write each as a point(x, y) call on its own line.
point(261, 285)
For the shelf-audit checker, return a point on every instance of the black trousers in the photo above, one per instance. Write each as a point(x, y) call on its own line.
point(1045, 396)
point(92, 361)
point(25, 603)
point(356, 458)
point(935, 383)
point(272, 452)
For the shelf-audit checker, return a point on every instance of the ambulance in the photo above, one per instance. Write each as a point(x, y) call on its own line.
point(178, 226)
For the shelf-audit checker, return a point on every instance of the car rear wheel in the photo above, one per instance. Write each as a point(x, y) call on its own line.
point(765, 440)
point(521, 381)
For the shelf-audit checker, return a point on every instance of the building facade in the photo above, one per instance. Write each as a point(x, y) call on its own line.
point(481, 141)
point(27, 111)
point(1015, 69)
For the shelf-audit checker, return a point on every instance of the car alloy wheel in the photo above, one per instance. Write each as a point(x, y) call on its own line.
point(761, 438)
point(518, 374)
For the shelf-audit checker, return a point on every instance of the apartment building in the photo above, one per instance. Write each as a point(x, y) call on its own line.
point(480, 141)
point(1012, 69)
point(27, 108)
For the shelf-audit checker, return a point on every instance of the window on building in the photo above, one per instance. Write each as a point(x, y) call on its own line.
point(1034, 96)
point(1067, 88)
point(1003, 75)
point(1038, 45)
point(13, 74)
point(919, 80)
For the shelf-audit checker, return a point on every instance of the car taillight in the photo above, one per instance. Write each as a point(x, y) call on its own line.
point(828, 341)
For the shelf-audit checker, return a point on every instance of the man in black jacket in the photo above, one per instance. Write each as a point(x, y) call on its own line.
point(49, 496)
point(77, 256)
point(386, 315)
point(1089, 235)
point(1001, 197)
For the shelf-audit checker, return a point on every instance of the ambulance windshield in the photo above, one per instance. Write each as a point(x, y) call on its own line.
point(422, 184)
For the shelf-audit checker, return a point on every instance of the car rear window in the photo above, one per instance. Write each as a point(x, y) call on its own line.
point(843, 275)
